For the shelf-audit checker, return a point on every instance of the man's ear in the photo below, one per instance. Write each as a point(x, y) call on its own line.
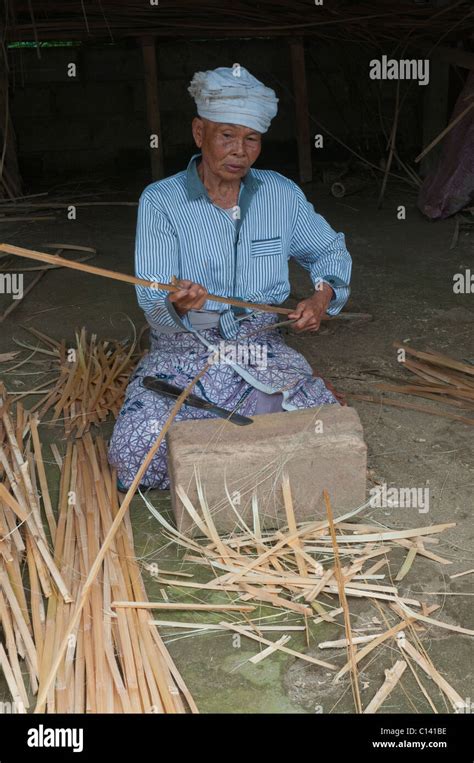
point(198, 131)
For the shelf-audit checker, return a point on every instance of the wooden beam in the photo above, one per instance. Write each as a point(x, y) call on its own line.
point(303, 133)
point(435, 105)
point(152, 106)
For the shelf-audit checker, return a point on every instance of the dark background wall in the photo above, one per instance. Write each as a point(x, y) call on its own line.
point(96, 122)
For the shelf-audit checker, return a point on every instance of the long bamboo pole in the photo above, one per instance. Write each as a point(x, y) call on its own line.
point(93, 270)
point(113, 274)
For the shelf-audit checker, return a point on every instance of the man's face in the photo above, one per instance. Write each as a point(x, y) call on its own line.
point(228, 150)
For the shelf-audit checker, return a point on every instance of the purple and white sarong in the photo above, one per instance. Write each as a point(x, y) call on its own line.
point(253, 373)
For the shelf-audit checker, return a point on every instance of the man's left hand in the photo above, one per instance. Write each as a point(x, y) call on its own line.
point(309, 312)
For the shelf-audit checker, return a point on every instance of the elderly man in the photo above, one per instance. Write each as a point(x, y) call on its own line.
point(225, 229)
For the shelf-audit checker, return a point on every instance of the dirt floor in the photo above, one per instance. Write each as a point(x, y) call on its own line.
point(403, 275)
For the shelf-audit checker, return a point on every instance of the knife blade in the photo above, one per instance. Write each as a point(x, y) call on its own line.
point(170, 390)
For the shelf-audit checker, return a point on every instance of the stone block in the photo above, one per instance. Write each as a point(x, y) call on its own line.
point(319, 448)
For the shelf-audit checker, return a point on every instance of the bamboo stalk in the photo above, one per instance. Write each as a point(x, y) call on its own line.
point(93, 270)
point(343, 602)
point(170, 287)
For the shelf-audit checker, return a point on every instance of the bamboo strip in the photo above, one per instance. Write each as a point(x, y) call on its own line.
point(181, 606)
point(433, 621)
point(10, 679)
point(276, 601)
point(216, 627)
point(370, 646)
point(290, 518)
point(411, 407)
point(42, 548)
point(42, 476)
point(343, 642)
point(460, 574)
point(343, 603)
point(7, 627)
point(392, 677)
point(292, 652)
point(269, 650)
point(20, 620)
point(456, 700)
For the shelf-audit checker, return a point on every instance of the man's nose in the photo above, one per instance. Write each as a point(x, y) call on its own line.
point(238, 148)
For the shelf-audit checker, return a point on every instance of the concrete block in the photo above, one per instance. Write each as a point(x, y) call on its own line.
point(320, 448)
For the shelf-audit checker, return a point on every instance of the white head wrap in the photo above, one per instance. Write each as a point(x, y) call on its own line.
point(234, 96)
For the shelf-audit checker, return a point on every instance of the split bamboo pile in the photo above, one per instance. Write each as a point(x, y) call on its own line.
point(290, 567)
point(314, 569)
point(435, 376)
point(91, 377)
point(115, 661)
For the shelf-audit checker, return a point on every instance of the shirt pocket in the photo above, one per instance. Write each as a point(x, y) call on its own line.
point(266, 247)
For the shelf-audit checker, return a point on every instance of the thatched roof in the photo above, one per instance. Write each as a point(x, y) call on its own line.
point(370, 21)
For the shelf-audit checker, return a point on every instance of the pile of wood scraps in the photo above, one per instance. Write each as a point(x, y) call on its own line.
point(115, 660)
point(86, 381)
point(437, 377)
point(312, 570)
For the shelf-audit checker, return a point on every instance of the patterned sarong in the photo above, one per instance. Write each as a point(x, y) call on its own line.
point(257, 363)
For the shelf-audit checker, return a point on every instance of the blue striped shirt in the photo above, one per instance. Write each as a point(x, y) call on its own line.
point(181, 232)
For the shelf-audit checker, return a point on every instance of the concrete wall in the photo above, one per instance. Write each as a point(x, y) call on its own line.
point(96, 121)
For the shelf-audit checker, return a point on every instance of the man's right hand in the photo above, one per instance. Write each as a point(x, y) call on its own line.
point(189, 296)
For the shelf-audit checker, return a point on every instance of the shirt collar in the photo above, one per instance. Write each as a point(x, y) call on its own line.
point(196, 188)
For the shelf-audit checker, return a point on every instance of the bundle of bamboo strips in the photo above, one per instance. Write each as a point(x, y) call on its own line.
point(436, 377)
point(115, 661)
point(90, 382)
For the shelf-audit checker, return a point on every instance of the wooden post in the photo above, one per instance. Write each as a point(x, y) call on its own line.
point(152, 106)
point(303, 133)
point(435, 106)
